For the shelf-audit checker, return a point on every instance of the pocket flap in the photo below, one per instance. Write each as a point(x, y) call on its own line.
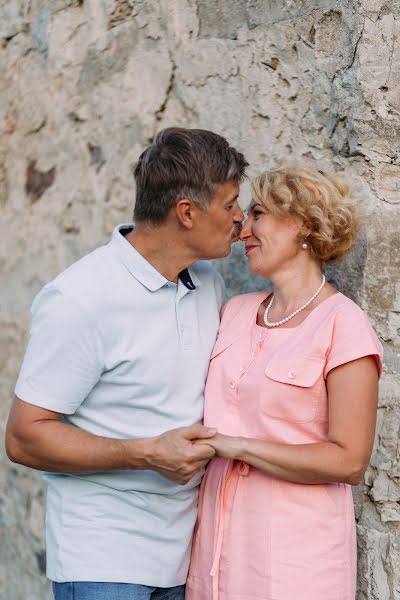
point(299, 370)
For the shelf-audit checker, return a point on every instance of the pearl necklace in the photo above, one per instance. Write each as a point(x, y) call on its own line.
point(293, 314)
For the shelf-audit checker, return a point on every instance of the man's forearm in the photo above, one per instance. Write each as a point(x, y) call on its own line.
point(58, 447)
point(37, 438)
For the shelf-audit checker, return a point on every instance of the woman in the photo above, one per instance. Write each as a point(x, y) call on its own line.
point(292, 390)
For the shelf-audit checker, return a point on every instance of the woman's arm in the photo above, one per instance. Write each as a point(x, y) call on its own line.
point(352, 395)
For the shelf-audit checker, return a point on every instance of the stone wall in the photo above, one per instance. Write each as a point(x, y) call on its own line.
point(84, 86)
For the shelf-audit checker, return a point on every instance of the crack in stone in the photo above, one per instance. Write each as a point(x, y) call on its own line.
point(356, 47)
point(306, 42)
point(211, 76)
point(197, 17)
point(41, 125)
point(161, 110)
point(392, 52)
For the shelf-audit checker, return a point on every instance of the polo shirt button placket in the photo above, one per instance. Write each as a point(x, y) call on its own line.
point(183, 323)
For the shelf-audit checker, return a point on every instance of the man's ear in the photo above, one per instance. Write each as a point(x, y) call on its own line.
point(186, 211)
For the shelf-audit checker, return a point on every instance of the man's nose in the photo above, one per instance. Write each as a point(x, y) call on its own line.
point(245, 230)
point(239, 216)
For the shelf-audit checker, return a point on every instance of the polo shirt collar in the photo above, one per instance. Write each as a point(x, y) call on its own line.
point(139, 267)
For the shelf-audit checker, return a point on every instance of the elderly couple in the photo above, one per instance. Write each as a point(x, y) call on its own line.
point(128, 343)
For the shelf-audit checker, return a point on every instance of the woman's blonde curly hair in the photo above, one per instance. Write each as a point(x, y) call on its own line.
point(330, 215)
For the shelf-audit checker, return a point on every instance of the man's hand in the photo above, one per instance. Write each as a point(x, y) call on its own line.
point(175, 455)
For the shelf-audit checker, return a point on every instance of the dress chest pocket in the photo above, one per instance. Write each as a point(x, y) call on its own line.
point(291, 387)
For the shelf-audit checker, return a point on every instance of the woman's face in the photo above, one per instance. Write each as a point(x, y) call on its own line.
point(272, 243)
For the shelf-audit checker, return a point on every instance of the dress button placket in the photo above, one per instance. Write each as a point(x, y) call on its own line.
point(234, 385)
point(261, 340)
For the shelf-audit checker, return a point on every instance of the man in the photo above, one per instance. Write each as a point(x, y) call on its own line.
point(110, 393)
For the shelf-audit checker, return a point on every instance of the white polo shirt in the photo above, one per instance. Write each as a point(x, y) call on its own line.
point(122, 352)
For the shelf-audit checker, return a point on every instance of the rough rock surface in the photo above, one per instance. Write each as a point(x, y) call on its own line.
point(84, 86)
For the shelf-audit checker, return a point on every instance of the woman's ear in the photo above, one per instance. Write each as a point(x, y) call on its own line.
point(304, 232)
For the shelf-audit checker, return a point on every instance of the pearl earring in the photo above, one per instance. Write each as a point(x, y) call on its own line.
point(304, 245)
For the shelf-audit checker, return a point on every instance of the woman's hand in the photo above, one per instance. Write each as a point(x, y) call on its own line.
point(224, 445)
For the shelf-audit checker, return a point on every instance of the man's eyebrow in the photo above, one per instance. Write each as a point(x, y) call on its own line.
point(232, 199)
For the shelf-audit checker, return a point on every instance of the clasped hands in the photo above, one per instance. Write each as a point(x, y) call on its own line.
point(178, 454)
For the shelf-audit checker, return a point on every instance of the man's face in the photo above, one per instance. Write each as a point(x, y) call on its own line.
point(220, 225)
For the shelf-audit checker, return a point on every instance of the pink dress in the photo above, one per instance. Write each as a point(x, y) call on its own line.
point(259, 537)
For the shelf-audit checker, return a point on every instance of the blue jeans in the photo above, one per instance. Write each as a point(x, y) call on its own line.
point(88, 590)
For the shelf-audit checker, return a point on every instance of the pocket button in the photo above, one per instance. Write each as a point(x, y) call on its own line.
point(291, 375)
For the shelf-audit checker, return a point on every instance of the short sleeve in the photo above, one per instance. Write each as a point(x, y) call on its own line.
point(352, 338)
point(63, 359)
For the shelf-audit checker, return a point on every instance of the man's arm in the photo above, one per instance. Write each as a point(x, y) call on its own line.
point(64, 360)
point(36, 437)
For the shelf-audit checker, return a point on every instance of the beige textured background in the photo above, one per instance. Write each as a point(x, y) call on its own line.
point(84, 85)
